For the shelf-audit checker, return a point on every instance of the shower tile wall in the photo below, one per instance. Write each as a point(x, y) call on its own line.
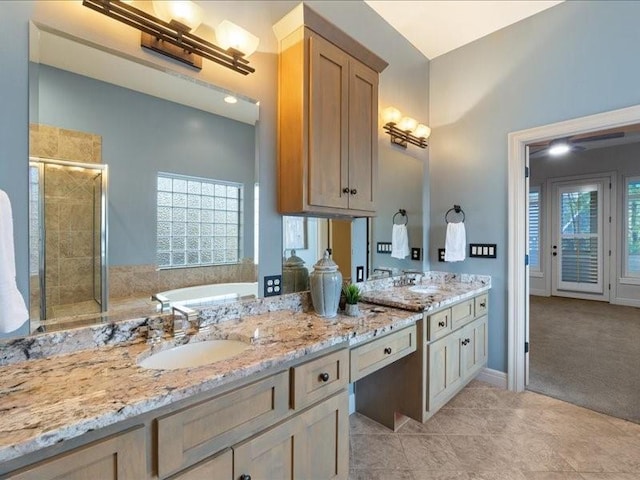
point(69, 215)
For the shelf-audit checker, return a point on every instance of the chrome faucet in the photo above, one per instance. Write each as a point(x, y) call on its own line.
point(185, 321)
point(383, 270)
point(404, 280)
point(165, 303)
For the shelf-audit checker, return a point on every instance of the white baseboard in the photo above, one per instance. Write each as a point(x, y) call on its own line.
point(493, 377)
point(352, 403)
point(538, 293)
point(627, 302)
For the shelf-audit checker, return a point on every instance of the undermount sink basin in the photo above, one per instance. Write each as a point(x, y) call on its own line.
point(194, 354)
point(425, 290)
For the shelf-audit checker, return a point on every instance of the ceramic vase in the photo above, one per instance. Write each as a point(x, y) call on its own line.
point(326, 285)
point(295, 276)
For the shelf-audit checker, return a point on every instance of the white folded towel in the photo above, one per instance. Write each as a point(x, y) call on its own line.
point(13, 312)
point(455, 244)
point(399, 241)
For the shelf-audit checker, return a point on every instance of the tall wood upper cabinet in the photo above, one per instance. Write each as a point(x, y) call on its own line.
point(327, 119)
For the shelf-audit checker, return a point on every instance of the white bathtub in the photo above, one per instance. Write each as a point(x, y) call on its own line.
point(214, 293)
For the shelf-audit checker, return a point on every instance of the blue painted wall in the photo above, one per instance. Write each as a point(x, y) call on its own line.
point(575, 59)
point(142, 135)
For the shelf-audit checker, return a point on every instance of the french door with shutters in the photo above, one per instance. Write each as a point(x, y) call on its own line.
point(580, 238)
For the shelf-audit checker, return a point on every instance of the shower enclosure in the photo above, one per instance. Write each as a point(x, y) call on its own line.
point(68, 239)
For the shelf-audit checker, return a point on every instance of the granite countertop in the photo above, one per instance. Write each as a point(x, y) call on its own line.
point(47, 400)
point(431, 292)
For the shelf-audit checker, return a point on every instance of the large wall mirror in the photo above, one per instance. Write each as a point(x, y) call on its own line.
point(141, 181)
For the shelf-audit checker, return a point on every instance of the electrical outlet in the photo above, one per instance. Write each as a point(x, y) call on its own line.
point(272, 285)
point(416, 253)
point(441, 254)
point(359, 273)
point(483, 250)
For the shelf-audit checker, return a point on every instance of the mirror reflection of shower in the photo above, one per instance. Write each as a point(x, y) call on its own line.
point(68, 263)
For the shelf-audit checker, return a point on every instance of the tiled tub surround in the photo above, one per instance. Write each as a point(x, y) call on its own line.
point(85, 379)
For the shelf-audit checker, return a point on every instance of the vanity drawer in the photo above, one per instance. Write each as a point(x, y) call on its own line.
point(379, 353)
point(194, 433)
point(319, 378)
point(482, 304)
point(462, 313)
point(439, 324)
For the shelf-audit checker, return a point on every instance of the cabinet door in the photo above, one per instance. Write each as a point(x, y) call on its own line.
point(219, 467)
point(446, 368)
point(121, 457)
point(474, 347)
point(363, 136)
point(328, 173)
point(312, 445)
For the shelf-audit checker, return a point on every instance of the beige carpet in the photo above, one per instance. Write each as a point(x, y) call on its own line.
point(586, 353)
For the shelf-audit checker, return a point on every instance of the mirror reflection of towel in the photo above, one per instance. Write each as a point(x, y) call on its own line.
point(13, 312)
point(455, 244)
point(399, 241)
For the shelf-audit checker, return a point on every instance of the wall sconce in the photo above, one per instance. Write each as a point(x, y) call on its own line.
point(170, 34)
point(404, 130)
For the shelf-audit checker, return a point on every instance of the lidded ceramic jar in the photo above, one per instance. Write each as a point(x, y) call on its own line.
point(326, 284)
point(295, 276)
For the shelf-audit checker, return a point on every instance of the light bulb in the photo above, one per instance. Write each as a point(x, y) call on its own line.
point(229, 35)
point(230, 99)
point(408, 124)
point(558, 148)
point(391, 115)
point(183, 11)
point(422, 131)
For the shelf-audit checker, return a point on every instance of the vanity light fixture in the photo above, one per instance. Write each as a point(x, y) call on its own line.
point(171, 33)
point(404, 130)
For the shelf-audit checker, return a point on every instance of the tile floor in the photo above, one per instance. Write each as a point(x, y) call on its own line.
point(485, 433)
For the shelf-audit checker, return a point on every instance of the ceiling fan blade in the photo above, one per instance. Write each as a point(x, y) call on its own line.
point(596, 138)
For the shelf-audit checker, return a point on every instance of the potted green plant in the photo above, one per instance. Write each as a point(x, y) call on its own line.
point(352, 295)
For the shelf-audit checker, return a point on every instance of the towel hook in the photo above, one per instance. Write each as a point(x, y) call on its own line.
point(458, 210)
point(403, 213)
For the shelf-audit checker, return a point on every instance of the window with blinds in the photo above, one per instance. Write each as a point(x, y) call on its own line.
point(534, 228)
point(580, 239)
point(632, 213)
point(199, 221)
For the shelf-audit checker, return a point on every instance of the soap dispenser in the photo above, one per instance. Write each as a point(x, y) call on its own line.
point(326, 285)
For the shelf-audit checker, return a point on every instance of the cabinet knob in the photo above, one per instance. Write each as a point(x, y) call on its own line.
point(483, 304)
point(353, 191)
point(345, 190)
point(441, 324)
point(324, 377)
point(245, 477)
point(387, 350)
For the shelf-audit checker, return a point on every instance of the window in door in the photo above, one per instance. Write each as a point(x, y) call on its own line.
point(535, 197)
point(632, 226)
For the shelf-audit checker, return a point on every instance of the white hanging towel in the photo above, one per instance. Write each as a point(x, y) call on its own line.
point(455, 244)
point(399, 241)
point(13, 312)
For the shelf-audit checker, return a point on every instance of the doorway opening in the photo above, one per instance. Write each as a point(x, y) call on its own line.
point(520, 143)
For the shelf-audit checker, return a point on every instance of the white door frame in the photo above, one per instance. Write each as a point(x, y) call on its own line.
point(518, 241)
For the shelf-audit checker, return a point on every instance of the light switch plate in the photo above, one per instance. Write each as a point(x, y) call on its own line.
point(359, 273)
point(383, 247)
point(483, 250)
point(272, 285)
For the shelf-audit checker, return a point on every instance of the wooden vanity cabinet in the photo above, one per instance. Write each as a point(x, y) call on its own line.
point(119, 457)
point(327, 122)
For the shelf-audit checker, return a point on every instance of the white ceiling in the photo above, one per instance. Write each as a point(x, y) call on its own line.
point(436, 27)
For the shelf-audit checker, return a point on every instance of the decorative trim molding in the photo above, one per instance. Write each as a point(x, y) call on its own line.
point(517, 188)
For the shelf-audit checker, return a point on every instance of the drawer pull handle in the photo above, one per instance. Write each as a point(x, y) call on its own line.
point(345, 190)
point(353, 191)
point(324, 377)
point(483, 304)
point(387, 350)
point(466, 341)
point(441, 324)
point(245, 477)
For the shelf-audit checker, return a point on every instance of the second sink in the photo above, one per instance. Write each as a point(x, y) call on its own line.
point(194, 354)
